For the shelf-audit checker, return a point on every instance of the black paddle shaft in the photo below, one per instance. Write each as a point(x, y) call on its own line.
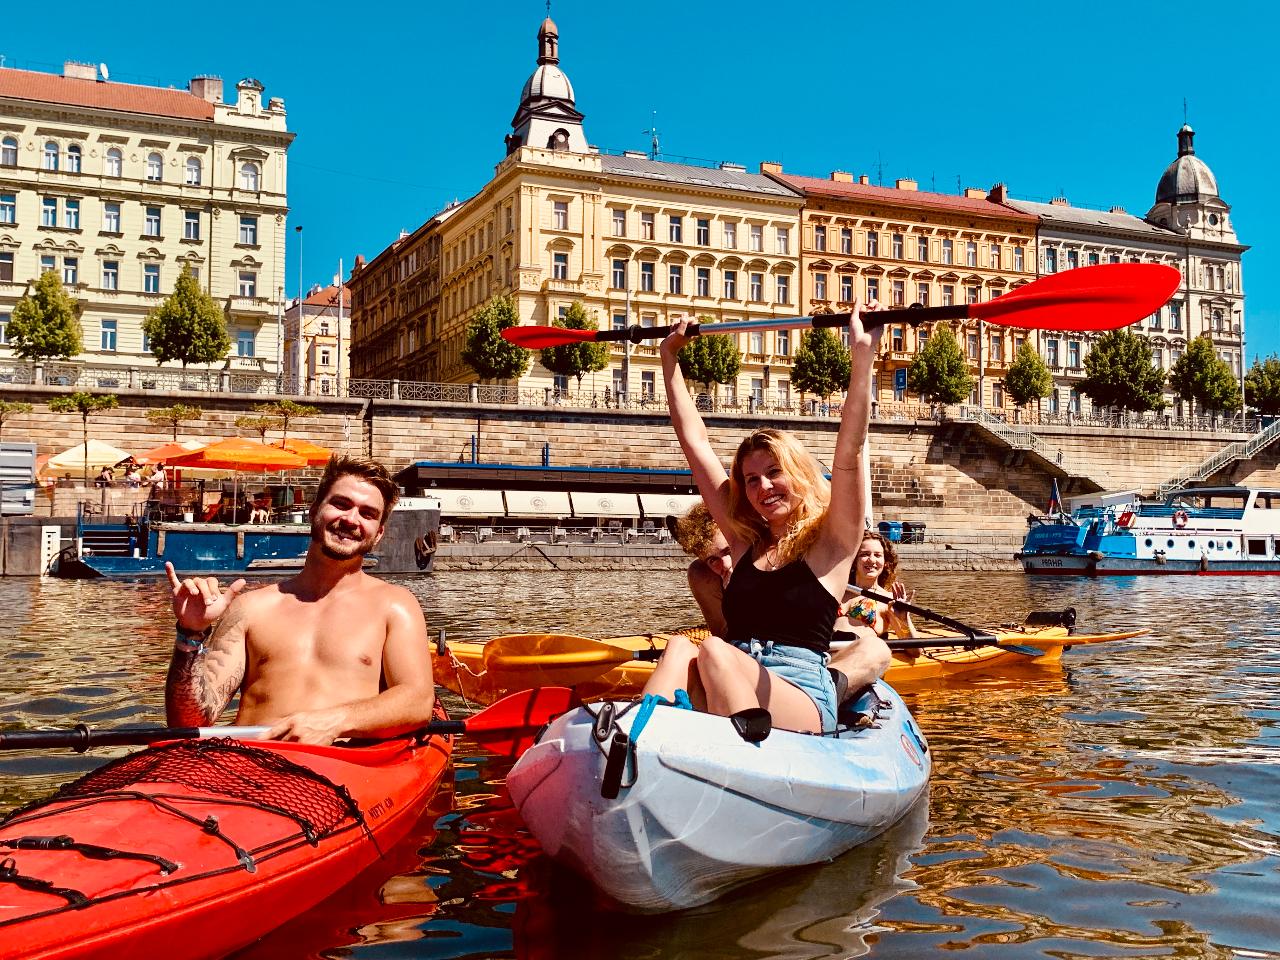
point(973, 633)
point(914, 315)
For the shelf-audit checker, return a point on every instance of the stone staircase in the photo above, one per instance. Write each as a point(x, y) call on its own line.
point(1020, 438)
point(1227, 455)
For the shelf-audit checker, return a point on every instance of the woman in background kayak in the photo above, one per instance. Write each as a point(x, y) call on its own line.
point(792, 537)
point(864, 624)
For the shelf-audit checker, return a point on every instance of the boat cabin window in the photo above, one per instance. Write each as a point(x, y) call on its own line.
point(1257, 548)
point(1262, 502)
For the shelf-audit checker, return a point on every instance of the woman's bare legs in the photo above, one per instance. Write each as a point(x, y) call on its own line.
point(678, 669)
point(734, 681)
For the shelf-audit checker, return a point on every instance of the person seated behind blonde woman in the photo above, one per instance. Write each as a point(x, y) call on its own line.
point(864, 623)
point(700, 537)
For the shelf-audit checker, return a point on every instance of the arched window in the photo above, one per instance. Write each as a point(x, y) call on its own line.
point(51, 156)
point(115, 162)
point(193, 171)
point(74, 155)
point(155, 167)
point(249, 176)
point(9, 152)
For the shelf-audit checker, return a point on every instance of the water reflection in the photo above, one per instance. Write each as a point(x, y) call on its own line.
point(1121, 806)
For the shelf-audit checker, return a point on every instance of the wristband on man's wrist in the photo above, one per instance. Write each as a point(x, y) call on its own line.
point(189, 642)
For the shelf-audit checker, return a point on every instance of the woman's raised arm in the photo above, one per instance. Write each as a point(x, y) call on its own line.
point(708, 472)
point(831, 557)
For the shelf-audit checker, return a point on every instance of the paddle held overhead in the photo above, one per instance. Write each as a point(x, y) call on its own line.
point(1101, 297)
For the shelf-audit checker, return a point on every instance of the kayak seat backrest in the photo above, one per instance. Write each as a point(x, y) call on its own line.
point(221, 768)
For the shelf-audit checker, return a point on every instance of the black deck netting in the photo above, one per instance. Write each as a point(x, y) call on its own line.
point(221, 768)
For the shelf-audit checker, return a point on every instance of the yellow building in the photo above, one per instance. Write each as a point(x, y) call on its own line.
point(118, 187)
point(900, 245)
point(636, 240)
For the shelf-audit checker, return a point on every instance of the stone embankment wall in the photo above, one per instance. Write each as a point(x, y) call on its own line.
point(949, 475)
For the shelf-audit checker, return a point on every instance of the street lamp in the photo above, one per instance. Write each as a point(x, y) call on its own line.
point(297, 383)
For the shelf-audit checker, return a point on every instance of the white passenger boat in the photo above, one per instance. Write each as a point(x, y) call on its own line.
point(1224, 530)
point(673, 812)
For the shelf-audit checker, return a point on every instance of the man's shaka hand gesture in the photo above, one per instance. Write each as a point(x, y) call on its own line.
point(198, 602)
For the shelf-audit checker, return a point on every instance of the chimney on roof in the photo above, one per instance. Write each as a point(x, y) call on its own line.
point(902, 183)
point(206, 88)
point(1060, 202)
point(770, 166)
point(975, 193)
point(999, 194)
point(864, 180)
point(839, 176)
point(1117, 210)
point(79, 71)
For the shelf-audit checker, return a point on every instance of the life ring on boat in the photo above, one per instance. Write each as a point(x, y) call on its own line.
point(1180, 518)
point(1126, 519)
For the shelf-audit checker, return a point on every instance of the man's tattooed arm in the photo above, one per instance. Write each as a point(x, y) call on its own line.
point(202, 681)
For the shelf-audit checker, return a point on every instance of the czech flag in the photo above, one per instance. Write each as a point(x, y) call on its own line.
point(1055, 499)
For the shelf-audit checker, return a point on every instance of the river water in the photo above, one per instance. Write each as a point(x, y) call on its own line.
point(1123, 805)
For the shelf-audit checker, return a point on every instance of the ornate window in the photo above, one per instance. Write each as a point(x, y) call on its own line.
point(51, 156)
point(249, 176)
point(193, 171)
point(114, 162)
point(74, 155)
point(155, 167)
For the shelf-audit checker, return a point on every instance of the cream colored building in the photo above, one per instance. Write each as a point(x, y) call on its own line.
point(316, 338)
point(1189, 227)
point(118, 187)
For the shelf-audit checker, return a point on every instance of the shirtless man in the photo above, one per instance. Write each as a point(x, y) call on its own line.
point(330, 653)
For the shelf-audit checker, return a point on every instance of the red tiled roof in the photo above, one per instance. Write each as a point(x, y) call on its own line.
point(836, 189)
point(328, 297)
point(104, 95)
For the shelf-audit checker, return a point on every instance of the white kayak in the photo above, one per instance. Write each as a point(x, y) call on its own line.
point(697, 809)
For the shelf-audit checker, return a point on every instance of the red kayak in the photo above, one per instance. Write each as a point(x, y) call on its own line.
point(196, 848)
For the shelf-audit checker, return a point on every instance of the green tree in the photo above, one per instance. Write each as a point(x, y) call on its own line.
point(286, 411)
point(259, 425)
point(1202, 376)
point(188, 327)
point(1262, 386)
point(1028, 380)
point(821, 363)
point(9, 409)
point(484, 350)
point(576, 359)
point(710, 358)
point(1119, 373)
point(85, 404)
point(173, 417)
point(44, 325)
point(939, 372)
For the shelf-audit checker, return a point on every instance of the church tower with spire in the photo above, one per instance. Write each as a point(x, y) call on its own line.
point(546, 117)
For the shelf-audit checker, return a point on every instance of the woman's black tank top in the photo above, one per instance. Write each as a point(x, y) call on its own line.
point(788, 606)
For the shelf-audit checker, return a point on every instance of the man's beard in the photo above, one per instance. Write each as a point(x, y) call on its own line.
point(350, 549)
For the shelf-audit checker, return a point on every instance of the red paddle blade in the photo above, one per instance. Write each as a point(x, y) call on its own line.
point(539, 338)
point(1101, 297)
point(509, 726)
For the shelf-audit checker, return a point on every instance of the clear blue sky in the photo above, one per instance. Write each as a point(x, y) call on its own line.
point(405, 110)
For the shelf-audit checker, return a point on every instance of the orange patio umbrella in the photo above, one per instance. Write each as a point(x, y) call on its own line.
point(167, 451)
point(236, 454)
point(316, 455)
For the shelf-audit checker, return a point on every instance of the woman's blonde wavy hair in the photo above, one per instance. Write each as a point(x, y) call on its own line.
point(806, 481)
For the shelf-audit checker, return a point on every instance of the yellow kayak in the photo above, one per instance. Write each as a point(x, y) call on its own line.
point(619, 666)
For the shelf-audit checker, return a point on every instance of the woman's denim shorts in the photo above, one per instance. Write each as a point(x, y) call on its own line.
point(801, 667)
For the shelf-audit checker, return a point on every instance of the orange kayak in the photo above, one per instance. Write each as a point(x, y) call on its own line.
point(562, 660)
